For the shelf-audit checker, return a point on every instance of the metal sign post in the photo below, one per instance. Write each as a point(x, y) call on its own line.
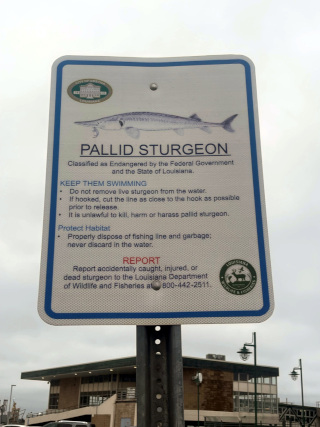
point(159, 376)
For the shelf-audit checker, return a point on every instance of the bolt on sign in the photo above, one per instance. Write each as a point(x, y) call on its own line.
point(154, 207)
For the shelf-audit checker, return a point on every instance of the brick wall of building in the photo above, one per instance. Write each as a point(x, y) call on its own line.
point(124, 410)
point(215, 392)
point(69, 393)
point(101, 420)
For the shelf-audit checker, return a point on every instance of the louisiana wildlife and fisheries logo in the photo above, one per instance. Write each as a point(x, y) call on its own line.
point(238, 277)
point(89, 91)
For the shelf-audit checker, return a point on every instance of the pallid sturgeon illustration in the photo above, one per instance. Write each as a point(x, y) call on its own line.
point(135, 122)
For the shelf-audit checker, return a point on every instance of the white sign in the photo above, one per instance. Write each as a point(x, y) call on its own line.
point(154, 209)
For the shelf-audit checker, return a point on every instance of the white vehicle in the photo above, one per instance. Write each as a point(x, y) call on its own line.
point(69, 423)
point(13, 425)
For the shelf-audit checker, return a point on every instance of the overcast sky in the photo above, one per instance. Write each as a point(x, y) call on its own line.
point(282, 38)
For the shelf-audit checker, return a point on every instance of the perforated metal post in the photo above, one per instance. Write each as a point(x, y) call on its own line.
point(159, 376)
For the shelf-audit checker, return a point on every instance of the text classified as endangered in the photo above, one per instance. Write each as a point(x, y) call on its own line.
point(155, 166)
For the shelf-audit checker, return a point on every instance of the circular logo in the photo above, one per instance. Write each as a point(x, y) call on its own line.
point(238, 277)
point(89, 91)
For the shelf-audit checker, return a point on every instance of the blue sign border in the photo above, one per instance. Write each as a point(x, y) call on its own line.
point(54, 191)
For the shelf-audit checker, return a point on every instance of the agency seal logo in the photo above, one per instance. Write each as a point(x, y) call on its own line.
point(238, 277)
point(89, 91)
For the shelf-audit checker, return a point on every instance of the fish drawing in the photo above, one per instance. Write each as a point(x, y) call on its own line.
point(135, 122)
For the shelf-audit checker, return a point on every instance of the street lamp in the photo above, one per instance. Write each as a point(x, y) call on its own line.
point(9, 408)
point(294, 375)
point(198, 380)
point(244, 354)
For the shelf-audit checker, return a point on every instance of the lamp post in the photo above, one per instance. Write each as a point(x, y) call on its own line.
point(9, 408)
point(198, 380)
point(294, 375)
point(244, 354)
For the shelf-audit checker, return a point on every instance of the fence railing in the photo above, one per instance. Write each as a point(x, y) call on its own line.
point(52, 411)
point(128, 393)
point(239, 424)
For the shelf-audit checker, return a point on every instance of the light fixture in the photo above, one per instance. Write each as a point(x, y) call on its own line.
point(294, 375)
point(244, 353)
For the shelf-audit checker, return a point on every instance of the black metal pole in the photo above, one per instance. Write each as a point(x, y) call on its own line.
point(302, 397)
point(244, 354)
point(255, 381)
point(159, 376)
point(198, 403)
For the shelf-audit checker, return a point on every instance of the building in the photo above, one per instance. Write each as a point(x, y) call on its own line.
point(104, 393)
point(291, 415)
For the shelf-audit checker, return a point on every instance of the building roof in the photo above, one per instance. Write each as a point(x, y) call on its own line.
point(128, 365)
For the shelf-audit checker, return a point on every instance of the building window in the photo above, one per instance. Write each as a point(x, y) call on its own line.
point(244, 402)
point(95, 398)
point(127, 378)
point(243, 377)
point(53, 401)
point(98, 379)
